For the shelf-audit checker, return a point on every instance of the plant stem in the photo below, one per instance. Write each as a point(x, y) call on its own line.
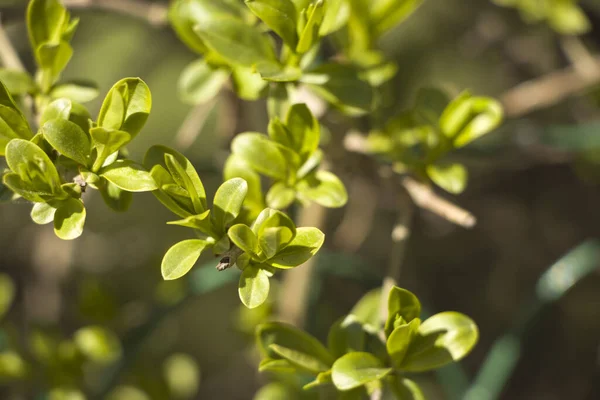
point(153, 13)
point(296, 282)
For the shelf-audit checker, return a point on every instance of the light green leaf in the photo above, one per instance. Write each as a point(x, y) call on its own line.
point(69, 219)
point(179, 203)
point(42, 213)
point(336, 16)
point(46, 20)
point(568, 18)
point(288, 336)
point(181, 257)
point(401, 303)
point(278, 365)
point(243, 237)
point(181, 16)
point(310, 32)
point(299, 359)
point(443, 338)
point(366, 310)
point(275, 72)
point(279, 15)
point(117, 199)
point(129, 176)
point(272, 239)
point(200, 222)
point(264, 156)
point(346, 335)
point(405, 389)
point(126, 106)
point(236, 41)
point(322, 379)
point(399, 340)
point(270, 218)
point(247, 83)
point(7, 293)
point(13, 123)
point(107, 142)
point(69, 139)
point(58, 109)
point(200, 82)
point(227, 203)
point(98, 344)
point(357, 369)
point(304, 130)
point(279, 133)
point(388, 13)
point(52, 58)
point(17, 82)
point(253, 287)
point(79, 91)
point(235, 167)
point(323, 188)
point(452, 178)
point(305, 245)
point(280, 196)
point(33, 167)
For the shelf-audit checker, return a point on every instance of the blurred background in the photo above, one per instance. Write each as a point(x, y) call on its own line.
point(534, 189)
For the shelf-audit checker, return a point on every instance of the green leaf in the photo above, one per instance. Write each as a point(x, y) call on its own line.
point(336, 16)
point(322, 379)
point(279, 365)
point(357, 369)
point(280, 196)
point(235, 167)
point(405, 389)
point(181, 16)
point(272, 239)
point(46, 20)
point(179, 204)
point(275, 72)
point(253, 287)
point(304, 130)
point(430, 104)
point(114, 197)
point(200, 82)
point(248, 83)
point(399, 340)
point(452, 178)
point(69, 139)
point(58, 109)
point(323, 188)
point(279, 15)
point(243, 237)
point(52, 58)
point(7, 293)
point(13, 123)
point(264, 156)
point(289, 337)
point(98, 344)
point(236, 41)
point(129, 176)
point(270, 218)
point(443, 338)
point(366, 310)
point(107, 142)
point(79, 91)
point(227, 203)
point(342, 86)
point(199, 221)
point(181, 257)
point(401, 303)
point(69, 219)
point(17, 82)
point(42, 213)
point(346, 335)
point(300, 360)
point(126, 106)
point(305, 245)
point(467, 118)
point(310, 33)
point(33, 167)
point(388, 13)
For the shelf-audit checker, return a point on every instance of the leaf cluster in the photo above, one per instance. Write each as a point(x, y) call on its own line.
point(357, 359)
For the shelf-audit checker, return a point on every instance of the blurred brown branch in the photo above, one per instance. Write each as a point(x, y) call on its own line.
point(154, 13)
point(8, 55)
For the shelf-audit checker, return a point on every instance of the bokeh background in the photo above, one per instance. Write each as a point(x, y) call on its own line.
point(534, 189)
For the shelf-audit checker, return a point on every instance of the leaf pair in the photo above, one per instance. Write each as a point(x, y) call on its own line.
point(290, 156)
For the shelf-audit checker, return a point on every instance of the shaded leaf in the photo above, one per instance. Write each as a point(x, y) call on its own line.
point(69, 219)
point(357, 369)
point(401, 303)
point(399, 340)
point(69, 139)
point(323, 188)
point(200, 82)
point(279, 15)
point(243, 237)
point(17, 82)
point(263, 155)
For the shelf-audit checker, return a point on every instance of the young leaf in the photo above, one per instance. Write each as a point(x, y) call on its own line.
point(13, 123)
point(58, 109)
point(300, 360)
point(323, 188)
point(452, 178)
point(399, 340)
point(401, 303)
point(304, 130)
point(405, 389)
point(42, 213)
point(117, 199)
point(280, 196)
point(305, 244)
point(346, 335)
point(181, 257)
point(310, 32)
point(52, 58)
point(45, 21)
point(243, 237)
point(441, 339)
point(236, 41)
point(388, 13)
point(200, 82)
point(336, 16)
point(288, 336)
point(126, 106)
point(98, 344)
point(263, 155)
point(17, 82)
point(33, 166)
point(357, 369)
point(272, 239)
point(79, 91)
point(248, 83)
point(253, 287)
point(69, 139)
point(322, 379)
point(235, 167)
point(69, 219)
point(227, 203)
point(366, 310)
point(107, 142)
point(279, 15)
point(129, 176)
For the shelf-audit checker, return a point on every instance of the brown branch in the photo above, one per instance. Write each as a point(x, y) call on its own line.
point(153, 13)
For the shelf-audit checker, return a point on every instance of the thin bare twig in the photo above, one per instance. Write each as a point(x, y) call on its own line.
point(8, 55)
point(153, 13)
